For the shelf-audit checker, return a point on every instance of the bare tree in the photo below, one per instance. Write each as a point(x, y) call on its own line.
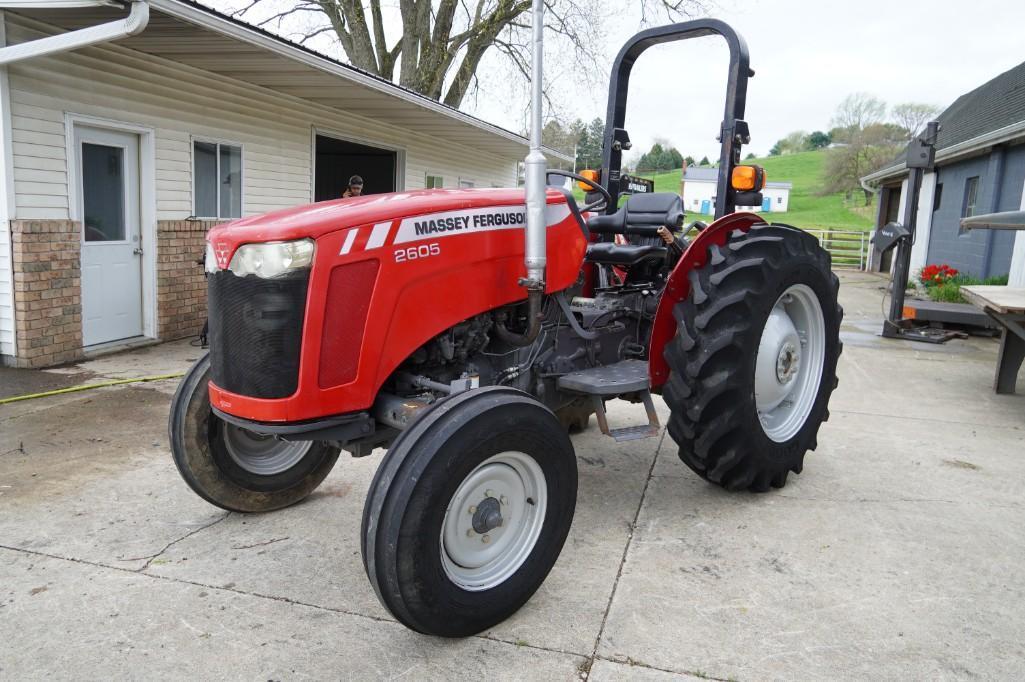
point(912, 116)
point(441, 42)
point(857, 111)
point(864, 151)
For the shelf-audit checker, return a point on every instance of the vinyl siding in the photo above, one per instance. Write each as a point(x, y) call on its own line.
point(179, 102)
point(980, 253)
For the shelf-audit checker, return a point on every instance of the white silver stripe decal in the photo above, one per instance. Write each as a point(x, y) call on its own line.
point(349, 239)
point(378, 236)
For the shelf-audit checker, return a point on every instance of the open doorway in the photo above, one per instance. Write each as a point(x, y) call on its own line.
point(338, 160)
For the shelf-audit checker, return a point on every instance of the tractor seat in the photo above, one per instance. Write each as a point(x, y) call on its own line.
point(610, 253)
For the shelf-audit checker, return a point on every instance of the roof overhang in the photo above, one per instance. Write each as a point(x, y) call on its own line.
point(194, 35)
point(954, 152)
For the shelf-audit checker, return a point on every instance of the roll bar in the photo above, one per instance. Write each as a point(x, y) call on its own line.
point(733, 132)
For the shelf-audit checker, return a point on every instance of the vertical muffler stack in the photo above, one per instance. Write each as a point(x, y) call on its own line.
point(535, 257)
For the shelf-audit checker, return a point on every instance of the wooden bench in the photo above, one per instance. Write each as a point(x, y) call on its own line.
point(1006, 305)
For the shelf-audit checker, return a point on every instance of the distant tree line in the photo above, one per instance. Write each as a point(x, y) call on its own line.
point(579, 138)
point(866, 135)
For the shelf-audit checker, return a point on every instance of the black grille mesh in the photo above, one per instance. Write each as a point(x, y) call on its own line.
point(256, 330)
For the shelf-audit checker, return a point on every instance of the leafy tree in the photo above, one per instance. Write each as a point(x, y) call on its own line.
point(750, 156)
point(704, 161)
point(819, 139)
point(441, 42)
point(912, 116)
point(775, 150)
point(589, 143)
point(661, 157)
point(796, 141)
point(690, 161)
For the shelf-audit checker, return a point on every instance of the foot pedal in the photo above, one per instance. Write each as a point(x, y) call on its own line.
point(610, 381)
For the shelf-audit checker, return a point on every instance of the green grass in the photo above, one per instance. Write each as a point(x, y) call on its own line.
point(808, 209)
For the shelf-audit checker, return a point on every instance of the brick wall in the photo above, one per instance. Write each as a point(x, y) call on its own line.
point(181, 286)
point(47, 291)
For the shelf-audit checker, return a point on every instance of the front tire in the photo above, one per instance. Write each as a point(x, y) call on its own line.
point(469, 511)
point(232, 467)
point(753, 362)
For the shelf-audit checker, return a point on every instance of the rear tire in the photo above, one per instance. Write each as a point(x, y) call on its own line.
point(469, 511)
point(753, 361)
point(232, 467)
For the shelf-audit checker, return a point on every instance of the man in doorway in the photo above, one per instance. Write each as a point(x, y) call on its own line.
point(355, 187)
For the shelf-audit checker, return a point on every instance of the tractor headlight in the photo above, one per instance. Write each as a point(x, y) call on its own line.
point(273, 259)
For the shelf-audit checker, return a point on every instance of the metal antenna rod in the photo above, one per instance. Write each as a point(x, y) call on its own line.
point(535, 166)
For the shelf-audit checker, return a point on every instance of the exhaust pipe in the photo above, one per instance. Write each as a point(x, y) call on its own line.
point(535, 167)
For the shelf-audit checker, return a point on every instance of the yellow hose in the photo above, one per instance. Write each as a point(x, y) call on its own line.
point(87, 387)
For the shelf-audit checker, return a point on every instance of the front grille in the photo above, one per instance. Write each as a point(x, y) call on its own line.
point(256, 328)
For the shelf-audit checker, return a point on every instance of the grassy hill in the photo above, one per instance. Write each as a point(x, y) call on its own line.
point(807, 209)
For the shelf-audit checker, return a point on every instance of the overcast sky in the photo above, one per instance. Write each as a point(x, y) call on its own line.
point(807, 56)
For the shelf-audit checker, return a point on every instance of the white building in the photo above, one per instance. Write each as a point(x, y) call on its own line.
point(122, 145)
point(699, 189)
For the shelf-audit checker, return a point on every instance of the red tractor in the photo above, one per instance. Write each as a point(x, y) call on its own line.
point(467, 331)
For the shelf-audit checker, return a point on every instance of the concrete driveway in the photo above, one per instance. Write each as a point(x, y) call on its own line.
point(896, 554)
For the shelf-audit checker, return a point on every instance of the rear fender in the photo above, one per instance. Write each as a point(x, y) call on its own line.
point(678, 286)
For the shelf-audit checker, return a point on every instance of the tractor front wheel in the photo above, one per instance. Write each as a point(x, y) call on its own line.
point(469, 511)
point(232, 467)
point(753, 361)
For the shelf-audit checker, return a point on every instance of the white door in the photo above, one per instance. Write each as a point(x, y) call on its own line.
point(108, 208)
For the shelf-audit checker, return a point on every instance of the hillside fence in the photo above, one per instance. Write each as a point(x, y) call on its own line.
point(849, 248)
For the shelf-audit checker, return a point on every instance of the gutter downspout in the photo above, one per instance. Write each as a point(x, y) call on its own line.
point(131, 25)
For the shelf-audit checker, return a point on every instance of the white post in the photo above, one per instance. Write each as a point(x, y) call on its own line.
point(536, 242)
point(6, 201)
point(1017, 274)
point(923, 226)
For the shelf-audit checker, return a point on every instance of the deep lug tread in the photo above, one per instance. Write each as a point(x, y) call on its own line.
point(713, 418)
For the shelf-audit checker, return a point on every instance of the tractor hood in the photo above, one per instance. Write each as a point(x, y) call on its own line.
point(317, 220)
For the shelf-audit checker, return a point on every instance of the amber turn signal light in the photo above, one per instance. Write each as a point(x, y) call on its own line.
point(748, 178)
point(593, 176)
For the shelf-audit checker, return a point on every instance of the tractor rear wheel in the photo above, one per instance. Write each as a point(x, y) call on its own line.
point(753, 361)
point(232, 467)
point(469, 511)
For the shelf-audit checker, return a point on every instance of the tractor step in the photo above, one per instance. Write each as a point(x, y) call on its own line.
point(610, 381)
point(626, 376)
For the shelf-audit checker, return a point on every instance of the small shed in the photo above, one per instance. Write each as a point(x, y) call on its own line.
point(699, 190)
point(128, 129)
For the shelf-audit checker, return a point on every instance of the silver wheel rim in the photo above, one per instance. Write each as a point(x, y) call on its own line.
point(493, 521)
point(791, 355)
point(262, 455)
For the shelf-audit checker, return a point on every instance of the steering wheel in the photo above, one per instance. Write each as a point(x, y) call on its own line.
point(600, 203)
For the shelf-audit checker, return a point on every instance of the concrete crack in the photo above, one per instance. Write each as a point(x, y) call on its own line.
point(622, 559)
point(640, 664)
point(260, 544)
point(258, 595)
point(149, 558)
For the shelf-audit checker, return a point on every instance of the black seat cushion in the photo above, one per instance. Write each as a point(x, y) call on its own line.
point(610, 253)
point(642, 214)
